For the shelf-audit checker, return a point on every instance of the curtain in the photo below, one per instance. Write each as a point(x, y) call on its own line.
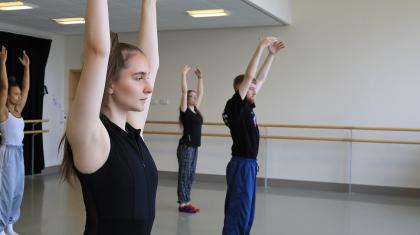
point(38, 50)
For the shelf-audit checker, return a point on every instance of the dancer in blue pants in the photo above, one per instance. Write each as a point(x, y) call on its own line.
point(239, 116)
point(12, 173)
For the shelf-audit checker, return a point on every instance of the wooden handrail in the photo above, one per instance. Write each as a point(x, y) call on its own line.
point(163, 122)
point(307, 126)
point(36, 132)
point(37, 120)
point(377, 141)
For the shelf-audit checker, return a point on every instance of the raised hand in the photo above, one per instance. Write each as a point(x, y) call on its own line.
point(24, 59)
point(3, 55)
point(185, 70)
point(276, 47)
point(267, 41)
point(197, 72)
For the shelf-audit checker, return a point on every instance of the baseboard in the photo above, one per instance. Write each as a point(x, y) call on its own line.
point(297, 184)
point(51, 170)
point(389, 191)
point(310, 185)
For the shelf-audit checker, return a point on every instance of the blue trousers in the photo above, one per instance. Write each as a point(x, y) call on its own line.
point(12, 180)
point(241, 174)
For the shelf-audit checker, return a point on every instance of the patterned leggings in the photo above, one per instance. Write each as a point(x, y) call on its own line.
point(187, 161)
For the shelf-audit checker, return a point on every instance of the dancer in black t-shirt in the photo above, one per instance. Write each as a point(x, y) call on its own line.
point(239, 116)
point(104, 147)
point(191, 120)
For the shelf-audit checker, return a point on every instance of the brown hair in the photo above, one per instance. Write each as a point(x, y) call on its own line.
point(12, 83)
point(118, 60)
point(239, 79)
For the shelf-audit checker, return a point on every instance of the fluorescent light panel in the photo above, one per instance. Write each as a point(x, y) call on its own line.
point(207, 13)
point(13, 6)
point(67, 21)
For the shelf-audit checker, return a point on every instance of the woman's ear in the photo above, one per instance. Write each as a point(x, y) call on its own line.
point(110, 89)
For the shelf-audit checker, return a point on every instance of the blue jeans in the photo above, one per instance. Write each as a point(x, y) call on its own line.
point(12, 180)
point(241, 174)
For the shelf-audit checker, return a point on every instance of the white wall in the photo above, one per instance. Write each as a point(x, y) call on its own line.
point(54, 79)
point(346, 63)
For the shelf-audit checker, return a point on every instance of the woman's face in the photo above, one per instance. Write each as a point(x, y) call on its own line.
point(192, 98)
point(133, 88)
point(15, 95)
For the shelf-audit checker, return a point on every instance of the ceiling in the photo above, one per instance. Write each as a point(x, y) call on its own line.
point(124, 15)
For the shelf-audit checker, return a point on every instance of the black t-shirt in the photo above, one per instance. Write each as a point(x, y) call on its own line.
point(192, 123)
point(120, 197)
point(240, 118)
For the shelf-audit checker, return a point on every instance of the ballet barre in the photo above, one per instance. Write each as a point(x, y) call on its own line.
point(267, 137)
point(34, 133)
point(377, 141)
point(366, 128)
point(36, 120)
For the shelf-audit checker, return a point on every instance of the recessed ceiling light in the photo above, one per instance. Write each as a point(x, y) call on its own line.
point(78, 20)
point(14, 6)
point(207, 13)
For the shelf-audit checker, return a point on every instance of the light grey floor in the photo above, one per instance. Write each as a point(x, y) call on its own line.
point(52, 208)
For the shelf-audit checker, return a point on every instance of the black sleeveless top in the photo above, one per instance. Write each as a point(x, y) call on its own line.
point(192, 123)
point(120, 196)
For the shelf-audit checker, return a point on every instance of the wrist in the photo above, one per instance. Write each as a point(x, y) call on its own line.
point(149, 3)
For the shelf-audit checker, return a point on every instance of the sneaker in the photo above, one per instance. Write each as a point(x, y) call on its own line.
point(186, 209)
point(193, 208)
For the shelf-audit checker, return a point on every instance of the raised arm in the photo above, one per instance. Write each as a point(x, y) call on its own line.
point(26, 83)
point(4, 84)
point(200, 86)
point(184, 89)
point(253, 65)
point(265, 68)
point(84, 128)
point(148, 43)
